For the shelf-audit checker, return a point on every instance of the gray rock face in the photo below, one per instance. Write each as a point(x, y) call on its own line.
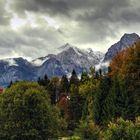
point(125, 41)
point(14, 69)
point(64, 62)
point(51, 67)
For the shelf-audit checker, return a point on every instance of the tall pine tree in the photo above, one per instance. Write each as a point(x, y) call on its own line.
point(64, 85)
point(74, 79)
point(100, 111)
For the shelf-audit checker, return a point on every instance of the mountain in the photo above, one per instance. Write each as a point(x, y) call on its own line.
point(126, 41)
point(68, 58)
point(13, 69)
point(80, 60)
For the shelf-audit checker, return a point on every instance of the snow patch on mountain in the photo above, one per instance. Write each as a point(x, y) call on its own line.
point(39, 61)
point(10, 62)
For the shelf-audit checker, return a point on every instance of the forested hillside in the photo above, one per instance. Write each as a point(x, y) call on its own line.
point(98, 106)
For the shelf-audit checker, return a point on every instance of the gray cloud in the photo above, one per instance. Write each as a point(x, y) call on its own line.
point(80, 9)
point(4, 16)
point(86, 13)
point(30, 43)
point(91, 23)
point(50, 6)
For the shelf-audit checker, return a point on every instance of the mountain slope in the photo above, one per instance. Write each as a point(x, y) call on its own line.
point(126, 41)
point(68, 58)
point(13, 69)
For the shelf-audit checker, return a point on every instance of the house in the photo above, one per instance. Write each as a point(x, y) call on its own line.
point(63, 106)
point(1, 90)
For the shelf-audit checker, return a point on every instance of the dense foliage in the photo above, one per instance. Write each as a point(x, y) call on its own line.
point(121, 129)
point(88, 130)
point(26, 113)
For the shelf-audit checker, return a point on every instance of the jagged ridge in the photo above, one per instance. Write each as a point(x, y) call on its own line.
point(68, 58)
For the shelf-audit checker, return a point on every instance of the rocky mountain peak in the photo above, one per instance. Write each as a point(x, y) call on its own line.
point(125, 41)
point(129, 39)
point(65, 47)
point(129, 36)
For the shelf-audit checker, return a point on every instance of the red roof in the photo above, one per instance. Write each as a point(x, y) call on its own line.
point(1, 89)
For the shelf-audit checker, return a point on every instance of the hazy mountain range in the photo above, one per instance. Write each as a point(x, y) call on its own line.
point(68, 58)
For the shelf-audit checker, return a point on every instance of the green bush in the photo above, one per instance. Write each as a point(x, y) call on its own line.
point(26, 113)
point(75, 138)
point(123, 130)
point(88, 131)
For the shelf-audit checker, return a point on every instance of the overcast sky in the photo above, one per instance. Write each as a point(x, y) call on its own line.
point(34, 28)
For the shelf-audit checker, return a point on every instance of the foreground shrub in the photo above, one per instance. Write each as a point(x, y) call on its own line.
point(26, 113)
point(123, 130)
point(88, 131)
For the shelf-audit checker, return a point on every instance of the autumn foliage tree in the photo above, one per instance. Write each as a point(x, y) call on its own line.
point(126, 67)
point(130, 73)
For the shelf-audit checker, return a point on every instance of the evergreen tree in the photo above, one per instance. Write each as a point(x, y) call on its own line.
point(64, 85)
point(117, 100)
point(53, 89)
point(11, 83)
point(74, 79)
point(76, 104)
point(97, 74)
point(44, 81)
point(129, 106)
point(100, 111)
point(84, 77)
point(87, 90)
point(100, 72)
point(39, 81)
point(92, 72)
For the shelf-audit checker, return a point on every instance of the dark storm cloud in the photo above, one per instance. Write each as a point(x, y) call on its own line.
point(50, 6)
point(4, 16)
point(29, 42)
point(101, 8)
point(10, 39)
point(81, 22)
point(90, 14)
point(131, 15)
